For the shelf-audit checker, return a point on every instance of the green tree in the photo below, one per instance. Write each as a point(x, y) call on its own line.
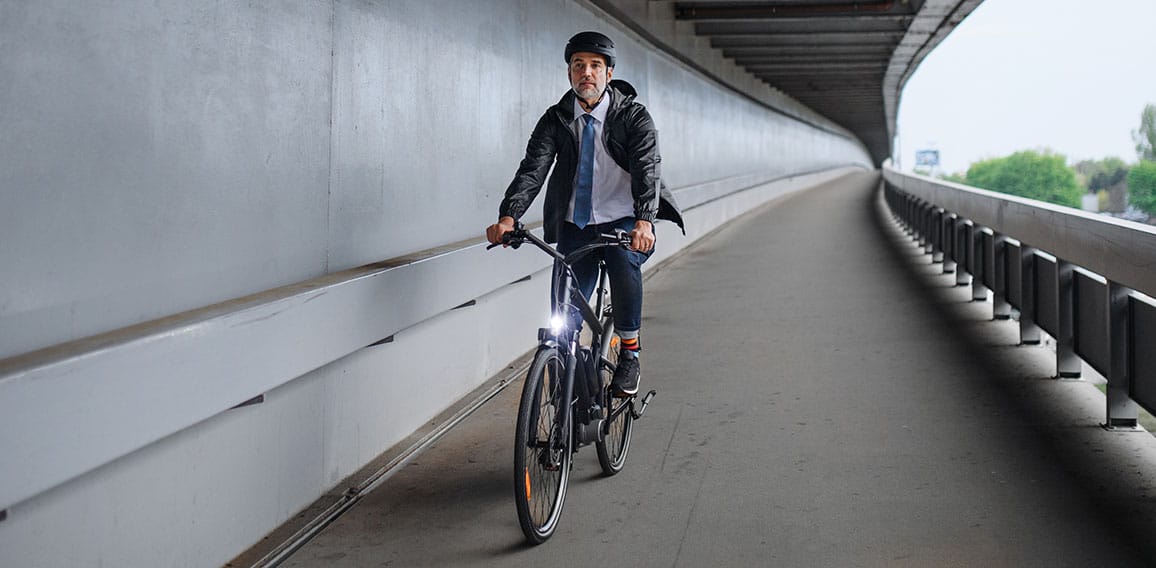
point(1142, 187)
point(1101, 174)
point(1145, 138)
point(1042, 176)
point(1112, 172)
point(1085, 169)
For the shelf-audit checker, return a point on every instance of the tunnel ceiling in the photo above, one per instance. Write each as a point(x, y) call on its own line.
point(846, 60)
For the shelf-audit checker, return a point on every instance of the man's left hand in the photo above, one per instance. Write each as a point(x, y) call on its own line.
point(642, 237)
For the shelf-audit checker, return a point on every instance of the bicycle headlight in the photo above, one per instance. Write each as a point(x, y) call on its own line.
point(557, 324)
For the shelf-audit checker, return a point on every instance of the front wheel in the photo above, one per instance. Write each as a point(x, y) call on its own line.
point(542, 449)
point(619, 418)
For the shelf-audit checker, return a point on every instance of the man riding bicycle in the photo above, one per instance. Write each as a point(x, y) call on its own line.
point(606, 178)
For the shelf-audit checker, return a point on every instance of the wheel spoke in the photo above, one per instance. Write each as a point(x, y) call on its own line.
point(541, 457)
point(612, 449)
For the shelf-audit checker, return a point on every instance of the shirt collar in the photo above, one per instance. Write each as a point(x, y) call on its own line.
point(599, 110)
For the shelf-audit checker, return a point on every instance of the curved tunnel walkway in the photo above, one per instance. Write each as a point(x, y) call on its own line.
point(823, 401)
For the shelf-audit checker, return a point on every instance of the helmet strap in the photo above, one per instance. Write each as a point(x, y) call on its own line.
point(582, 101)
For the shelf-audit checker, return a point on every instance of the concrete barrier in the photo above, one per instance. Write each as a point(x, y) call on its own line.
point(200, 200)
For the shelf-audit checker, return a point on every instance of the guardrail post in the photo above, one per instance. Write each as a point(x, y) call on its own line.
point(937, 236)
point(926, 223)
point(1067, 362)
point(917, 221)
point(948, 231)
point(1001, 308)
point(1122, 410)
point(962, 251)
point(891, 195)
point(1029, 331)
point(908, 205)
point(977, 260)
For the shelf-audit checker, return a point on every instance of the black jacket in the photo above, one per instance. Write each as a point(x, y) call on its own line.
point(631, 140)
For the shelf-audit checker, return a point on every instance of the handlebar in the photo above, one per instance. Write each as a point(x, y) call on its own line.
point(520, 235)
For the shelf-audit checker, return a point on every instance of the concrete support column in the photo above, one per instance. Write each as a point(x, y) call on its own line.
point(908, 206)
point(1029, 331)
point(1122, 410)
point(947, 229)
point(1001, 309)
point(1067, 362)
point(917, 220)
point(978, 257)
point(937, 236)
point(927, 223)
point(963, 251)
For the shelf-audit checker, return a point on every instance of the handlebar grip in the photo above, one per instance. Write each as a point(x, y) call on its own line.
point(512, 239)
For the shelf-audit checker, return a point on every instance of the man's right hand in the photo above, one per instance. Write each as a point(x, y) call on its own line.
point(494, 232)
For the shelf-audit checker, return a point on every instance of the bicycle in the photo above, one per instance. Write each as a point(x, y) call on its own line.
point(563, 369)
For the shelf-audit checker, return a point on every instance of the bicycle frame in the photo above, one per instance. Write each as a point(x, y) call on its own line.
point(567, 337)
point(562, 334)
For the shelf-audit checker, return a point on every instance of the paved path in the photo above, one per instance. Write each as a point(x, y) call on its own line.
point(823, 401)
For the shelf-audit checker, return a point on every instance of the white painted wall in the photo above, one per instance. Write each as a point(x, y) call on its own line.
point(162, 157)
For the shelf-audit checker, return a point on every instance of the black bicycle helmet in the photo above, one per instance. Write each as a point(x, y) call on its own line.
point(592, 42)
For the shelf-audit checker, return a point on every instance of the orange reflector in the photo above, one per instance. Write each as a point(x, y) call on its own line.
point(527, 470)
point(614, 341)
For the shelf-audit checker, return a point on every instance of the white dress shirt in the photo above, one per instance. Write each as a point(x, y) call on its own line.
point(611, 197)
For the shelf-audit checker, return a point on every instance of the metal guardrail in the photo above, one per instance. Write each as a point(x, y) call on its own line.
point(1085, 279)
point(71, 408)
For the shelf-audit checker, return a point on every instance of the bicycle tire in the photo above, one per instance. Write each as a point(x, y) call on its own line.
point(541, 460)
point(615, 444)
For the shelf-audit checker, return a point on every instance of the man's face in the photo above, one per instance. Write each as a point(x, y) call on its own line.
point(589, 75)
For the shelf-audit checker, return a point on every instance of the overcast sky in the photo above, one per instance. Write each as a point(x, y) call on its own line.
point(1068, 75)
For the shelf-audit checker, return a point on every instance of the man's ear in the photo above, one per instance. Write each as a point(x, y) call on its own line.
point(609, 73)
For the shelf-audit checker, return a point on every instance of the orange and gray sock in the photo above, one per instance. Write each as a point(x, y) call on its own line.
point(630, 345)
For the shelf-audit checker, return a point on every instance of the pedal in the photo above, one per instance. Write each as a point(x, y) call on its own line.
point(636, 414)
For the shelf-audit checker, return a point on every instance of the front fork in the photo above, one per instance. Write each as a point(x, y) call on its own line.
point(565, 404)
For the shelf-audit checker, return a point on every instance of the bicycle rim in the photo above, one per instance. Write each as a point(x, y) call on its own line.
point(541, 459)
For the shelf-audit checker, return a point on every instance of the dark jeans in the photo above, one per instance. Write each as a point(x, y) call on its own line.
point(624, 267)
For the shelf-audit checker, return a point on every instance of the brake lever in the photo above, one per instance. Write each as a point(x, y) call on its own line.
point(623, 238)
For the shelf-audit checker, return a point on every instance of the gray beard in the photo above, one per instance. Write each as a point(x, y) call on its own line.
point(584, 97)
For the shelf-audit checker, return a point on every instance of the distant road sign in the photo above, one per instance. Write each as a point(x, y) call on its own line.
point(927, 158)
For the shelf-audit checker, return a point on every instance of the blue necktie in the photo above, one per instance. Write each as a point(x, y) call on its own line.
point(585, 186)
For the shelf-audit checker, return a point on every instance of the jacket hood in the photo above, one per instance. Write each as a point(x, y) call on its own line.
point(623, 87)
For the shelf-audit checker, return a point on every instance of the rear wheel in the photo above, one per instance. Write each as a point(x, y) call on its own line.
point(619, 420)
point(541, 449)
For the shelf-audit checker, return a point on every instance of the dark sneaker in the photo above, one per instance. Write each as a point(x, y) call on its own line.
point(625, 383)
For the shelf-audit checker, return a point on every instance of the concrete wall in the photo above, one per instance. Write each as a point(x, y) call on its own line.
point(163, 156)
